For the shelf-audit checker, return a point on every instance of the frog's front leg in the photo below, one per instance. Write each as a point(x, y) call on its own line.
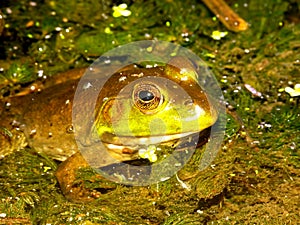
point(73, 187)
point(12, 139)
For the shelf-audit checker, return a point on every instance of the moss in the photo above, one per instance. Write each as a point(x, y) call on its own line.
point(243, 185)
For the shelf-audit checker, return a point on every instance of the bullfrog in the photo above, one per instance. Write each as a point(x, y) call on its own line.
point(128, 103)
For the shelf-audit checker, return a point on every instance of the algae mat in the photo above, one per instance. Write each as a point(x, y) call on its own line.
point(257, 70)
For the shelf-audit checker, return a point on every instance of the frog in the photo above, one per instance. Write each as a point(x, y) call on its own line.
point(43, 120)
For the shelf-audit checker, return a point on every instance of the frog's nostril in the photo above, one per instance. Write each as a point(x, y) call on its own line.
point(188, 102)
point(70, 129)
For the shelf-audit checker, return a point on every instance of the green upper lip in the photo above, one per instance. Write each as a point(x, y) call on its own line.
point(145, 141)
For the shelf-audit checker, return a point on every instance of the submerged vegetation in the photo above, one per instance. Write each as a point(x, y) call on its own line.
point(244, 185)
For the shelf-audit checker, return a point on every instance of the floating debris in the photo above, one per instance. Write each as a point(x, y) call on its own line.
point(253, 90)
point(121, 10)
point(293, 92)
point(218, 35)
point(148, 153)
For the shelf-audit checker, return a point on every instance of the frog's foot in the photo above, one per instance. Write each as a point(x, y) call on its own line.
point(11, 140)
point(73, 189)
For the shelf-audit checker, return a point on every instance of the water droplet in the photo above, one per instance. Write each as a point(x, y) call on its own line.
point(87, 85)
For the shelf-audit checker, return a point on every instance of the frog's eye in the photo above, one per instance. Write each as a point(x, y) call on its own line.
point(147, 97)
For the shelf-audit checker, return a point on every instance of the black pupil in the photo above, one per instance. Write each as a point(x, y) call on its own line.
point(146, 95)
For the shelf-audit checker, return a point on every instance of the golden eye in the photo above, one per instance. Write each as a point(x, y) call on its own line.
point(147, 97)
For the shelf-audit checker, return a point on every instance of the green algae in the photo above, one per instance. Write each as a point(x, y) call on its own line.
point(243, 185)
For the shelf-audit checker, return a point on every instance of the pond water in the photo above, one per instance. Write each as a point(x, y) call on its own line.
point(255, 178)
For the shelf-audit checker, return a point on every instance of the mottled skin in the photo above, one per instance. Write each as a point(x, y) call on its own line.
point(41, 120)
point(44, 120)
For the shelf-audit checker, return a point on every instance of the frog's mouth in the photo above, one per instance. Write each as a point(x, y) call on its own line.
point(145, 141)
point(128, 148)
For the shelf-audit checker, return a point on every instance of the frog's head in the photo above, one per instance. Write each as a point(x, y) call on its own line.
point(142, 107)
